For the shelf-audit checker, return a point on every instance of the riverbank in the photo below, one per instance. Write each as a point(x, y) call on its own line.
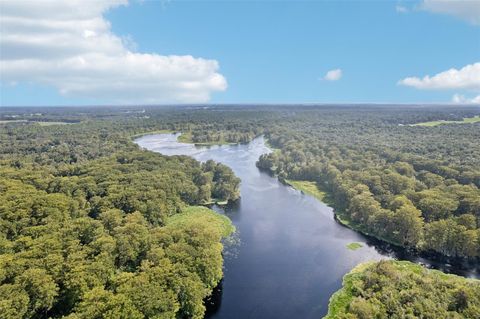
point(315, 190)
point(430, 292)
point(307, 187)
point(186, 137)
point(209, 203)
point(322, 194)
point(270, 234)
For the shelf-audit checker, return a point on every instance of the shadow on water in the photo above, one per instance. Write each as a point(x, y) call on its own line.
point(214, 301)
point(452, 265)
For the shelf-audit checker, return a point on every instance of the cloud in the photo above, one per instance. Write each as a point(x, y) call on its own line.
point(461, 99)
point(401, 9)
point(333, 75)
point(467, 78)
point(69, 45)
point(468, 10)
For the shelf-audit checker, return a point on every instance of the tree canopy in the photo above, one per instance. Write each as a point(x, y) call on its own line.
point(400, 289)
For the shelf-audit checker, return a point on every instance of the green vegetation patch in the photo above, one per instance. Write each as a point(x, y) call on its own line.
point(220, 224)
point(342, 298)
point(185, 137)
point(188, 137)
point(308, 187)
point(467, 120)
point(354, 246)
point(401, 289)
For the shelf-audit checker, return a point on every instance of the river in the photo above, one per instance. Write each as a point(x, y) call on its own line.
point(292, 254)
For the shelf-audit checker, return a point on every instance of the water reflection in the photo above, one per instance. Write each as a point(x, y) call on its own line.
point(291, 255)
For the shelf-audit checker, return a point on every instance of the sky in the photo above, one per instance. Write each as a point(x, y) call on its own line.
point(107, 52)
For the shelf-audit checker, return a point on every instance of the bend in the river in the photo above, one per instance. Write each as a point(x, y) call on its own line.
point(292, 253)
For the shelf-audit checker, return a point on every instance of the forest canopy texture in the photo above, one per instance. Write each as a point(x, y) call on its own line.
point(400, 289)
point(91, 226)
point(413, 186)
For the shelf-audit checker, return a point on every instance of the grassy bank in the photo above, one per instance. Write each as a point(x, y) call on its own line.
point(320, 193)
point(468, 120)
point(308, 187)
point(403, 289)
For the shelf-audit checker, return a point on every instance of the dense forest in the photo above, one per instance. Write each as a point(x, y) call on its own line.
point(413, 186)
point(400, 289)
point(91, 226)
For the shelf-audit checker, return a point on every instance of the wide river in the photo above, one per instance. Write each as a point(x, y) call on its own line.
point(291, 254)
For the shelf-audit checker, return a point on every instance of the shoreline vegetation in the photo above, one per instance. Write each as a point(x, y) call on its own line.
point(307, 187)
point(322, 194)
point(184, 137)
point(405, 199)
point(187, 137)
point(90, 184)
point(206, 203)
point(401, 288)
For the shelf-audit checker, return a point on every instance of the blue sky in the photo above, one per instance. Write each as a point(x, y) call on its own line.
point(254, 51)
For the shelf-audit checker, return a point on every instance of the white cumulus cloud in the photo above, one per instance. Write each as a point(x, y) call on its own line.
point(468, 10)
point(333, 75)
point(467, 78)
point(462, 99)
point(69, 45)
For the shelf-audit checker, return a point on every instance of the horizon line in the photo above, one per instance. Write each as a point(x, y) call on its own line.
point(250, 104)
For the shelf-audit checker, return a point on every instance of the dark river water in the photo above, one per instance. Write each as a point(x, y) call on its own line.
point(291, 254)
